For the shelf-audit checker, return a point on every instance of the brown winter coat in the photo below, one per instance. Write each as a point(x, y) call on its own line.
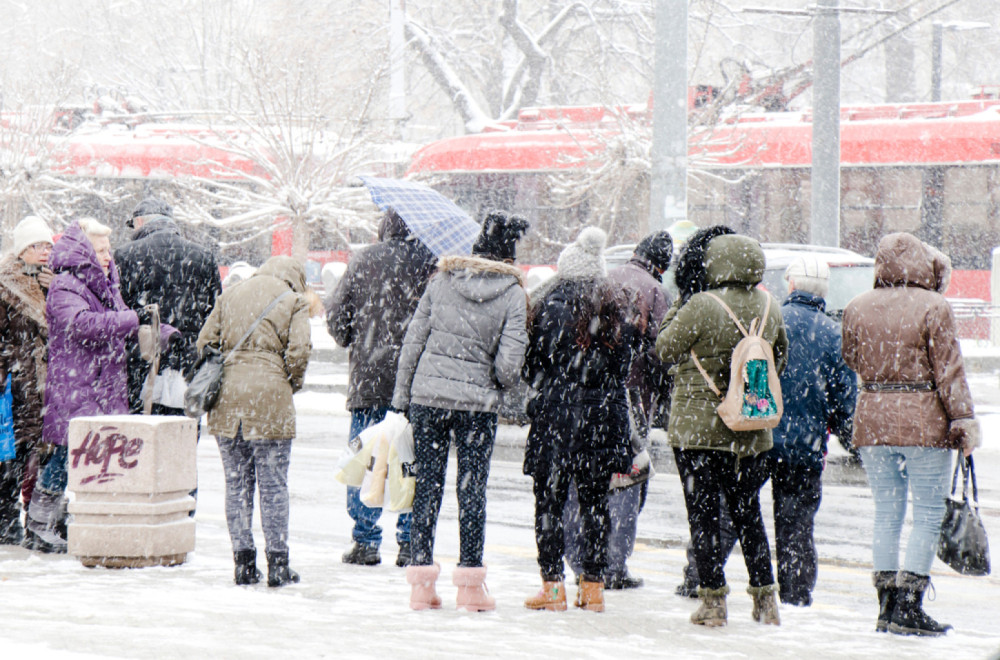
point(902, 334)
point(260, 378)
point(24, 334)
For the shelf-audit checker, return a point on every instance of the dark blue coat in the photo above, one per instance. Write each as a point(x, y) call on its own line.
point(817, 388)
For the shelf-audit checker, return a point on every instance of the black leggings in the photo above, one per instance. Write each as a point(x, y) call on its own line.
point(705, 476)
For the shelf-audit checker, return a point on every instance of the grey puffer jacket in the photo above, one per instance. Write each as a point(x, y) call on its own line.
point(466, 341)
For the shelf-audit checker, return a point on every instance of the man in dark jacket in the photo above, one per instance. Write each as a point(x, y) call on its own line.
point(160, 267)
point(368, 313)
point(819, 393)
point(648, 386)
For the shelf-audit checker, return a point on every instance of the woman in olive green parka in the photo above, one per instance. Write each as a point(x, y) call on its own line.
point(713, 460)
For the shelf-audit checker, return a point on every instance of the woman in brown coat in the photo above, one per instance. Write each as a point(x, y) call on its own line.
point(254, 417)
point(914, 406)
point(24, 279)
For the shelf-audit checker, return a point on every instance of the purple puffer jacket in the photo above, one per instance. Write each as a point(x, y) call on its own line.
point(88, 325)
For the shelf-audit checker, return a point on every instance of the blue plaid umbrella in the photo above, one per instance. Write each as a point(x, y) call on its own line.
point(433, 218)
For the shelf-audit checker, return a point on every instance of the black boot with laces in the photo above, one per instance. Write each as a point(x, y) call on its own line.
point(909, 618)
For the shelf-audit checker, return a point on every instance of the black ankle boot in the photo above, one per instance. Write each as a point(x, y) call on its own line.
point(885, 584)
point(246, 567)
point(908, 617)
point(278, 572)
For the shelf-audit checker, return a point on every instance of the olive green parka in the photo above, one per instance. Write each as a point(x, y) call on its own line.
point(734, 265)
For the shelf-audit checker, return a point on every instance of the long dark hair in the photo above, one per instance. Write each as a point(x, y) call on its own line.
point(690, 273)
point(600, 315)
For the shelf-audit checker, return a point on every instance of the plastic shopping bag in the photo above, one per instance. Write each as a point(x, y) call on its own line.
point(401, 475)
point(7, 448)
point(374, 455)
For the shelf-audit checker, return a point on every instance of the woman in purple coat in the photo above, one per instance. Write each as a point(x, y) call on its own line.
point(88, 326)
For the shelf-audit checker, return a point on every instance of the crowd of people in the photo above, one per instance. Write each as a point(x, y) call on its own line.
point(605, 356)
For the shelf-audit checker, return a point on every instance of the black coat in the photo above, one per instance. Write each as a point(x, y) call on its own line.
point(580, 413)
point(369, 311)
point(159, 266)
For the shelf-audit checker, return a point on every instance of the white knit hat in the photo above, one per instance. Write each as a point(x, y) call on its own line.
point(29, 231)
point(810, 273)
point(584, 257)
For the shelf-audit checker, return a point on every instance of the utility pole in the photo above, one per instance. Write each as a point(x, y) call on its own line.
point(825, 212)
point(397, 66)
point(668, 151)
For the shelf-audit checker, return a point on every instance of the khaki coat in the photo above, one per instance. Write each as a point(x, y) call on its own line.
point(900, 339)
point(260, 378)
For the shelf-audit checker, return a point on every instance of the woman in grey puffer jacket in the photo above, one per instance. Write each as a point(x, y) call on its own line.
point(464, 345)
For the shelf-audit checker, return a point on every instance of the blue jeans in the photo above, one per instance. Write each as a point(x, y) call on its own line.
point(366, 530)
point(53, 475)
point(891, 472)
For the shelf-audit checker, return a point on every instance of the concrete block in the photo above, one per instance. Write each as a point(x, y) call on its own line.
point(131, 477)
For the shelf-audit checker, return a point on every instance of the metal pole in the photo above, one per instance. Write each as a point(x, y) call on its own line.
point(937, 32)
point(668, 179)
point(397, 66)
point(825, 215)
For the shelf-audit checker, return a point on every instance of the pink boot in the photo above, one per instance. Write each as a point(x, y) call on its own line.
point(473, 595)
point(422, 578)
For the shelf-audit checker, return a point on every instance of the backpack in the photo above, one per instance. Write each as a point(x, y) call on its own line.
point(753, 398)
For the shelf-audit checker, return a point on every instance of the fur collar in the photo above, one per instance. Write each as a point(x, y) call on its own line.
point(22, 292)
point(480, 265)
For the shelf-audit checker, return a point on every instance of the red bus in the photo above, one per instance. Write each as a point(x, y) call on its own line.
point(932, 169)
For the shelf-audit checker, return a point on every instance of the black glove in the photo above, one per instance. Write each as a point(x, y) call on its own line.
point(145, 318)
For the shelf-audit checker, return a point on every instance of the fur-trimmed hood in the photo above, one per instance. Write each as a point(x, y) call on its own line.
point(23, 293)
point(480, 279)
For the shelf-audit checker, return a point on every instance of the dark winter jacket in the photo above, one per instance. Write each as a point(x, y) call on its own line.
point(24, 334)
point(580, 412)
point(371, 306)
point(158, 266)
point(817, 388)
point(88, 326)
point(647, 305)
point(259, 379)
point(734, 265)
point(900, 339)
point(466, 341)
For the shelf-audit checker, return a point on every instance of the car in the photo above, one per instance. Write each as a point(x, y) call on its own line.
point(850, 273)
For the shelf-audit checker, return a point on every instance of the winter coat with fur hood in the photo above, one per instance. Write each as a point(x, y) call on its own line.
point(734, 265)
point(369, 310)
point(24, 334)
point(259, 379)
point(900, 339)
point(465, 343)
point(88, 326)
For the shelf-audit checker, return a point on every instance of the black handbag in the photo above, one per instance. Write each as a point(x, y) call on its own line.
point(963, 544)
point(203, 390)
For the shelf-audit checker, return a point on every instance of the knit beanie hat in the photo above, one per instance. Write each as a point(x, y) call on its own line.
point(810, 273)
point(498, 238)
point(583, 258)
point(29, 231)
point(657, 248)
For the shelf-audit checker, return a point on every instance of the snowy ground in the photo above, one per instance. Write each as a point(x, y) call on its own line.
point(53, 607)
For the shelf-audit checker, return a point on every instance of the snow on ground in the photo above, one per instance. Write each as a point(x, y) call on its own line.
point(53, 607)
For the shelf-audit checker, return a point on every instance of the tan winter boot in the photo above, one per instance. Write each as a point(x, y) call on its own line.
point(765, 607)
point(712, 612)
point(552, 597)
point(423, 595)
point(473, 596)
point(590, 596)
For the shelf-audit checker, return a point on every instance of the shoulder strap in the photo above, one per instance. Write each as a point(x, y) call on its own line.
point(704, 374)
point(253, 326)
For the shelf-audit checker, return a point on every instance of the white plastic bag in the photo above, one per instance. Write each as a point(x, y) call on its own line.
point(376, 441)
point(401, 474)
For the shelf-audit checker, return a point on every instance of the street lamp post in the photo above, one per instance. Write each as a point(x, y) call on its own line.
point(938, 29)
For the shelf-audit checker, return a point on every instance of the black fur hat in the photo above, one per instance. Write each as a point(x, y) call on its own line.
point(657, 248)
point(690, 273)
point(499, 236)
